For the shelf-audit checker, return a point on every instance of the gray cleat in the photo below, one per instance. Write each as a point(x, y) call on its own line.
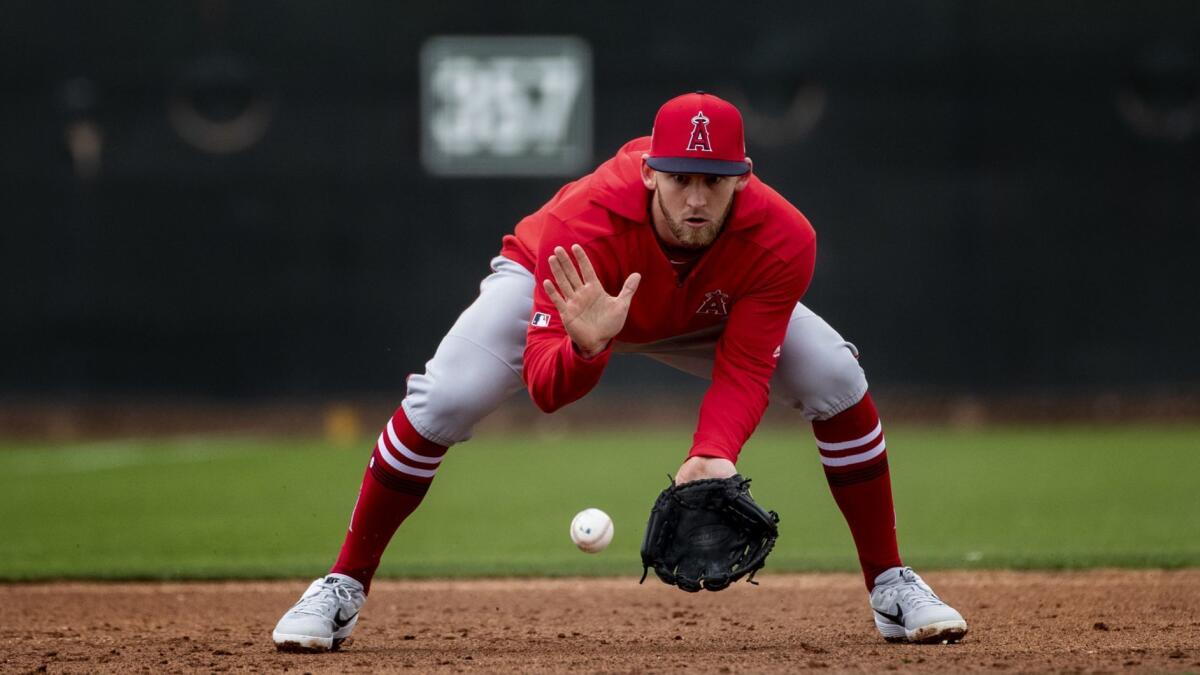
point(907, 610)
point(323, 618)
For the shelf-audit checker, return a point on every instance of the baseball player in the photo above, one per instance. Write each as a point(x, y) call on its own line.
point(674, 249)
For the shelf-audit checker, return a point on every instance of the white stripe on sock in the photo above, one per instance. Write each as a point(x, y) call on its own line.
point(846, 445)
point(855, 459)
point(424, 459)
point(400, 466)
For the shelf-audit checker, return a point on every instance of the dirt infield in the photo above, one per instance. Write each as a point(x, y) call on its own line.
point(1096, 621)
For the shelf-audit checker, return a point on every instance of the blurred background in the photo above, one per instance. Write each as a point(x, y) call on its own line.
point(252, 201)
point(224, 217)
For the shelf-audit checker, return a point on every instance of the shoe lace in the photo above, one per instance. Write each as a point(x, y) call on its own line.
point(915, 597)
point(325, 601)
point(913, 594)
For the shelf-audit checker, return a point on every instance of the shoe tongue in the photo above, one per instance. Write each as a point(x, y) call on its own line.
point(890, 576)
point(343, 580)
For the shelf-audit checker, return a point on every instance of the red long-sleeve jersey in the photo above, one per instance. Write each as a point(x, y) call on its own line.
point(747, 281)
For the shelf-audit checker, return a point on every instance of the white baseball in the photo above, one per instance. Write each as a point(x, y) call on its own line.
point(591, 530)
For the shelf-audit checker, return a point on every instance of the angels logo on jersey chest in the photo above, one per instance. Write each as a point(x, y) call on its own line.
point(715, 303)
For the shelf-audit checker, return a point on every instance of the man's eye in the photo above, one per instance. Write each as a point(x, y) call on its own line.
point(679, 178)
point(713, 180)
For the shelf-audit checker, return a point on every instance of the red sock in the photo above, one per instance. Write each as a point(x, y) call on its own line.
point(398, 476)
point(855, 459)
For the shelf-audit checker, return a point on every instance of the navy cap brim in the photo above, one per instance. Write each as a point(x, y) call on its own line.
point(712, 167)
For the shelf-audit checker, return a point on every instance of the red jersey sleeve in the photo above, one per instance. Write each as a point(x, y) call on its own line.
point(746, 355)
point(555, 372)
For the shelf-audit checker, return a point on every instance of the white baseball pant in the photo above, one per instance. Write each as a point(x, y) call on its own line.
point(478, 364)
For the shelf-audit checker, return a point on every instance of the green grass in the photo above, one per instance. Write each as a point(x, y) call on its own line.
point(1046, 497)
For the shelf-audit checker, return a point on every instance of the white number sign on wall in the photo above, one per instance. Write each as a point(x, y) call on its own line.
point(506, 105)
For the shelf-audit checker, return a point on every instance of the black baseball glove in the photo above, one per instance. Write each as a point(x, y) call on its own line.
point(707, 534)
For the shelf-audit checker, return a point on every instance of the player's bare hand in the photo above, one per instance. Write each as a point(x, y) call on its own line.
point(589, 314)
point(696, 468)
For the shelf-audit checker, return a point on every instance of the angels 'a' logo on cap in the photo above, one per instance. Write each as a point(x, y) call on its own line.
point(699, 139)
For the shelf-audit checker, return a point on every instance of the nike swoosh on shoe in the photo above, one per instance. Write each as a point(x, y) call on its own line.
point(342, 623)
point(897, 618)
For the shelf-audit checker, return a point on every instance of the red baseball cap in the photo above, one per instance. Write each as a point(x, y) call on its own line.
point(698, 133)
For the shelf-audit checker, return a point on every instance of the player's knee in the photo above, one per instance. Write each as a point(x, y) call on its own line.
point(461, 385)
point(446, 409)
point(822, 385)
point(842, 384)
point(444, 413)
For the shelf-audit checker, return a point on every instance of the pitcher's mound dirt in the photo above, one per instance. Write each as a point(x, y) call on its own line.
point(1108, 620)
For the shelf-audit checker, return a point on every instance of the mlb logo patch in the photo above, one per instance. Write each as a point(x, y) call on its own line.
point(540, 319)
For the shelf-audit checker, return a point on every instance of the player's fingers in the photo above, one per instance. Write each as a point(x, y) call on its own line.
point(557, 299)
point(630, 287)
point(585, 265)
point(568, 267)
point(560, 277)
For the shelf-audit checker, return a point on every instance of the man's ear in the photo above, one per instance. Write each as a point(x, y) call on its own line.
point(647, 174)
point(744, 179)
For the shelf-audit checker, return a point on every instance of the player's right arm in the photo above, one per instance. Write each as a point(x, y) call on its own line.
point(574, 320)
point(589, 314)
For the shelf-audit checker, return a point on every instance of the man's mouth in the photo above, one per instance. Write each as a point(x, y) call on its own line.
point(696, 221)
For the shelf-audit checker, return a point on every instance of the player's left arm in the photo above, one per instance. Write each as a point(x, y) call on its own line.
point(746, 356)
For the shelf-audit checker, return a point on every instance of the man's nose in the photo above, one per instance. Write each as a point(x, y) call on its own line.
point(696, 197)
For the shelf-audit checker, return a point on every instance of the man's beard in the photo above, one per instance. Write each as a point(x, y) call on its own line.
point(692, 237)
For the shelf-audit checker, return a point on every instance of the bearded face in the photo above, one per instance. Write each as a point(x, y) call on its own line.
point(692, 207)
